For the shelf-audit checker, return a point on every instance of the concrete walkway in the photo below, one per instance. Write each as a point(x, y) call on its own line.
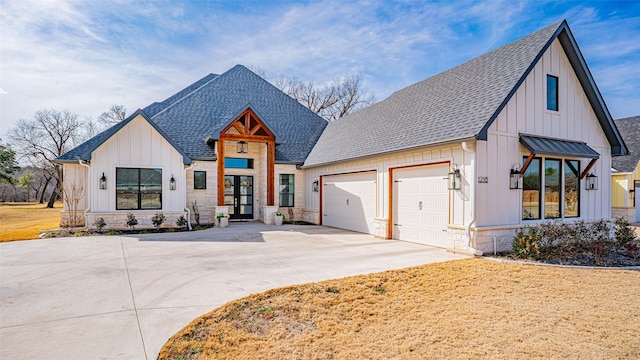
point(122, 297)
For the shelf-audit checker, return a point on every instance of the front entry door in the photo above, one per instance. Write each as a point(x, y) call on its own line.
point(238, 195)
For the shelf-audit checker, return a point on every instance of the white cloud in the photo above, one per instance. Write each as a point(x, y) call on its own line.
point(85, 56)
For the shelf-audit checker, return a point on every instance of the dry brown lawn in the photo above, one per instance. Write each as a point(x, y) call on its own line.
point(463, 309)
point(22, 221)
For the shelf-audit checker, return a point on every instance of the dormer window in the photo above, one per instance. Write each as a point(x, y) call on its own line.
point(552, 92)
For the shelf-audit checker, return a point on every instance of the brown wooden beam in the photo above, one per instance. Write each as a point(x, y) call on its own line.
point(586, 171)
point(220, 161)
point(254, 138)
point(271, 161)
point(527, 163)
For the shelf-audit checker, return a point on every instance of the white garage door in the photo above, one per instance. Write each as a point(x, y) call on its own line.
point(349, 201)
point(421, 205)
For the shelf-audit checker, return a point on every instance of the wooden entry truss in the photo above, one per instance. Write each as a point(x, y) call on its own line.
point(247, 127)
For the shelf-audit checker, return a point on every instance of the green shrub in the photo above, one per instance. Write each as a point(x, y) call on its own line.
point(99, 224)
point(131, 221)
point(624, 232)
point(158, 219)
point(181, 222)
point(527, 243)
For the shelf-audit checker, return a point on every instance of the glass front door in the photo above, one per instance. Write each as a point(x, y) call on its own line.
point(238, 196)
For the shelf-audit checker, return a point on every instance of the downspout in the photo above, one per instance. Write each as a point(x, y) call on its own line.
point(472, 197)
point(86, 219)
point(185, 196)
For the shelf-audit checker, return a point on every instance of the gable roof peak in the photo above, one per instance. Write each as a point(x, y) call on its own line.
point(457, 104)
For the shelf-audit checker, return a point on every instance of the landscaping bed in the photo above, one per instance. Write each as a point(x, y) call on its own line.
point(602, 243)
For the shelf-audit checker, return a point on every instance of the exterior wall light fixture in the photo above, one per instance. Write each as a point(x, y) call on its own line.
point(454, 179)
point(591, 182)
point(172, 183)
point(515, 181)
point(103, 182)
point(242, 147)
point(316, 185)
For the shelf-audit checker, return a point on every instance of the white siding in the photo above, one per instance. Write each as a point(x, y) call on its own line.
point(139, 145)
point(459, 204)
point(526, 113)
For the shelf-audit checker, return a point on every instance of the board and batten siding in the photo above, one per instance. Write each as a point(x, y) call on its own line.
point(459, 205)
point(137, 145)
point(526, 113)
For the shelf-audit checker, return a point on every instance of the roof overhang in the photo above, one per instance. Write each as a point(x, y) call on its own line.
point(539, 145)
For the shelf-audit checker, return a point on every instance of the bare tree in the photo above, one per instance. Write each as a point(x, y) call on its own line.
point(332, 101)
point(48, 135)
point(114, 115)
point(71, 194)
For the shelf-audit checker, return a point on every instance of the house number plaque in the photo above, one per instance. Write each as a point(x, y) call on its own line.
point(483, 179)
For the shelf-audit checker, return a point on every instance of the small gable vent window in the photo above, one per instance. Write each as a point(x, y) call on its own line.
point(200, 180)
point(552, 92)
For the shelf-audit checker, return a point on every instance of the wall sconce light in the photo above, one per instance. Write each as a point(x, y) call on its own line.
point(316, 184)
point(515, 181)
point(242, 147)
point(103, 182)
point(454, 180)
point(172, 183)
point(591, 182)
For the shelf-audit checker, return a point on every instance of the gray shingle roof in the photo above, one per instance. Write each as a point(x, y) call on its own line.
point(630, 130)
point(454, 105)
point(200, 111)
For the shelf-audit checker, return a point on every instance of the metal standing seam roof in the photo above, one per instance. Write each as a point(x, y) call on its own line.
point(200, 111)
point(630, 130)
point(557, 147)
point(455, 105)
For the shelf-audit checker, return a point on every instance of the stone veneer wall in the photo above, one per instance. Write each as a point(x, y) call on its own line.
point(206, 199)
point(118, 221)
point(628, 213)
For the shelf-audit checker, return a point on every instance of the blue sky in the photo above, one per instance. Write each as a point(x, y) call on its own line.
point(84, 55)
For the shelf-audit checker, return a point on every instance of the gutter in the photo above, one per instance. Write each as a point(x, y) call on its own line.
point(86, 219)
point(395, 151)
point(185, 197)
point(472, 193)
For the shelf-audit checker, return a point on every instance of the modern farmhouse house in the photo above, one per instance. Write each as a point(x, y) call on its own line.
point(459, 160)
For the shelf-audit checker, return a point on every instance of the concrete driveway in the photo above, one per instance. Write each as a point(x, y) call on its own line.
point(122, 297)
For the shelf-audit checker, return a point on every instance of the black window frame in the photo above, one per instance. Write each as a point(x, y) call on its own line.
point(554, 95)
point(562, 188)
point(197, 181)
point(289, 195)
point(139, 191)
point(229, 163)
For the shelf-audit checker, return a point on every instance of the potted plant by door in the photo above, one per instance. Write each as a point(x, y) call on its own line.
point(278, 218)
point(223, 220)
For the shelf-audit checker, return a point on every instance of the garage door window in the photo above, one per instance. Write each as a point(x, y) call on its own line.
point(560, 181)
point(286, 190)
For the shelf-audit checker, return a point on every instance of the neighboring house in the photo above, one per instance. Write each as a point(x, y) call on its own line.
point(433, 163)
point(625, 176)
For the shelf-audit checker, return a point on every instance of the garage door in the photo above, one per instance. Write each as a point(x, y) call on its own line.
point(349, 201)
point(421, 205)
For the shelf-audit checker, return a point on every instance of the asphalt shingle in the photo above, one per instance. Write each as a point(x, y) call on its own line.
point(201, 110)
point(453, 105)
point(630, 130)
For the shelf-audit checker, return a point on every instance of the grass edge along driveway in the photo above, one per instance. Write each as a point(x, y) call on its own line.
point(457, 309)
